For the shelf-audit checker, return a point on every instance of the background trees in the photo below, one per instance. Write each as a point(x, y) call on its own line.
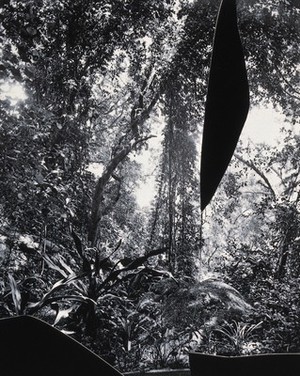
point(102, 79)
point(258, 230)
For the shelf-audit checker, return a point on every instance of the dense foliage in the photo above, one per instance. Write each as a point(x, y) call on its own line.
point(142, 288)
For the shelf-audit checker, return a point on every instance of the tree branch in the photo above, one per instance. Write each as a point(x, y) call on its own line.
point(132, 265)
point(289, 85)
point(96, 213)
point(252, 166)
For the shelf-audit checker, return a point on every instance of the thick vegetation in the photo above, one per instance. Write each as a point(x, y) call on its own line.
point(102, 79)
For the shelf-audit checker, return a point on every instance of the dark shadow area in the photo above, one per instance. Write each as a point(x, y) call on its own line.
point(31, 347)
point(258, 365)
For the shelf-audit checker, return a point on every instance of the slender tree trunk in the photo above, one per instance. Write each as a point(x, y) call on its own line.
point(172, 183)
point(284, 255)
point(97, 203)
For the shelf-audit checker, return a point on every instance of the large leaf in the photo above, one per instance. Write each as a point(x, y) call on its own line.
point(49, 296)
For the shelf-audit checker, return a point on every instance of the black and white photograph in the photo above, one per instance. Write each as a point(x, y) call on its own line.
point(149, 187)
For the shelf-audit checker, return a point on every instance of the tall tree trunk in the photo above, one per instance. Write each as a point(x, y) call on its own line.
point(97, 203)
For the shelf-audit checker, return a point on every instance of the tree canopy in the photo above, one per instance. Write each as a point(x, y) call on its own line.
point(101, 79)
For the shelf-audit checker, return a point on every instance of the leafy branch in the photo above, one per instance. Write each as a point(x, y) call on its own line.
point(253, 167)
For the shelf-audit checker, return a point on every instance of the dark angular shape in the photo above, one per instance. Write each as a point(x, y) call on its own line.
point(31, 347)
point(249, 365)
point(227, 102)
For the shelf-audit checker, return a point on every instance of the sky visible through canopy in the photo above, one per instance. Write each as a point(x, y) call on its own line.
point(263, 125)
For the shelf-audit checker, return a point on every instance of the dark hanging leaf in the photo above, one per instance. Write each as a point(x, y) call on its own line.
point(227, 102)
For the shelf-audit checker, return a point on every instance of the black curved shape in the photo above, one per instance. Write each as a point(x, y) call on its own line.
point(250, 365)
point(31, 347)
point(227, 102)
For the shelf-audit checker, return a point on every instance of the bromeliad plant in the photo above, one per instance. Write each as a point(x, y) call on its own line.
point(239, 336)
point(83, 286)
